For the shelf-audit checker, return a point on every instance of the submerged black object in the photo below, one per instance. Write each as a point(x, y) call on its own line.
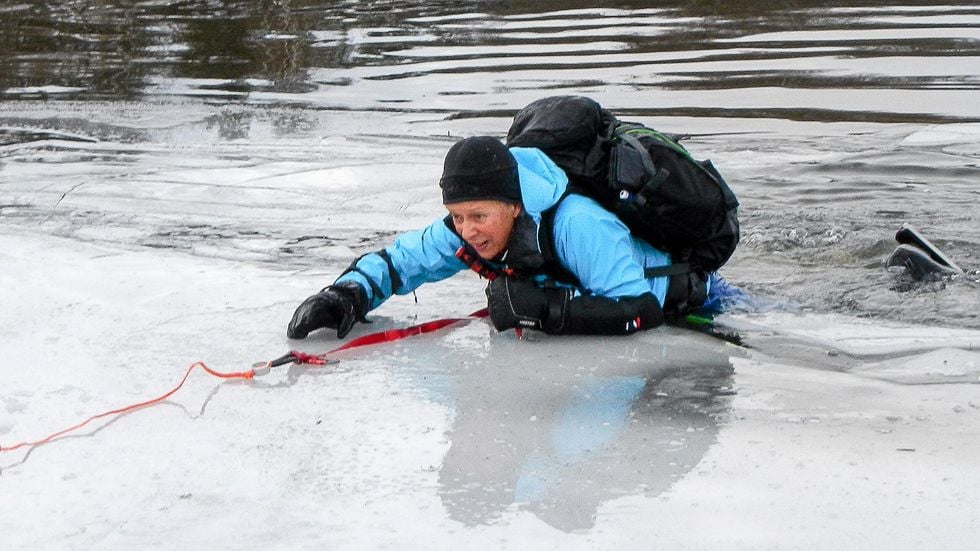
point(917, 263)
point(920, 258)
point(907, 235)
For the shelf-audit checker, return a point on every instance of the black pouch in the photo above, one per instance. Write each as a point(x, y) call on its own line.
point(685, 293)
point(626, 169)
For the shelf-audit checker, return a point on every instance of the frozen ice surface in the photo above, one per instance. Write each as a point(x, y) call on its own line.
point(129, 258)
point(466, 437)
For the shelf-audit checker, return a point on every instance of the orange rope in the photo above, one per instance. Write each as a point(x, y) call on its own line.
point(294, 357)
point(237, 375)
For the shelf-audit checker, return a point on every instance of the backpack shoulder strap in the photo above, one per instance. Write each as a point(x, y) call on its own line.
point(546, 243)
point(669, 270)
point(396, 280)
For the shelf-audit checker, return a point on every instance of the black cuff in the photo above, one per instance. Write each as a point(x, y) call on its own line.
point(591, 315)
point(356, 295)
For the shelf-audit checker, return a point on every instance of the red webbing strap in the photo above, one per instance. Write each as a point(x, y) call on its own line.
point(389, 335)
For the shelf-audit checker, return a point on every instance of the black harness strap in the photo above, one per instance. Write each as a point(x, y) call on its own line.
point(672, 269)
point(396, 280)
point(546, 242)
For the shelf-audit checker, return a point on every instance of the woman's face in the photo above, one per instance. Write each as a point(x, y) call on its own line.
point(485, 225)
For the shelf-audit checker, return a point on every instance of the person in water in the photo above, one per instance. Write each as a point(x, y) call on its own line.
point(588, 278)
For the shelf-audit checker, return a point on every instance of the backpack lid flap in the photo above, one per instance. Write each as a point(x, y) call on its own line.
point(556, 122)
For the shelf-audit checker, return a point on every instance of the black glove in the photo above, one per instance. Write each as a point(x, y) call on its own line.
point(521, 303)
point(337, 306)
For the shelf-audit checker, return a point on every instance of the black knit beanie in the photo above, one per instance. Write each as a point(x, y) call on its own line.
point(480, 168)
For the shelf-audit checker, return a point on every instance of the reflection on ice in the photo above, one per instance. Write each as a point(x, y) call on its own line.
point(559, 426)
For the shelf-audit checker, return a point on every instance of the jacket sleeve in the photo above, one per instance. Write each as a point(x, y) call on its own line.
point(597, 247)
point(414, 258)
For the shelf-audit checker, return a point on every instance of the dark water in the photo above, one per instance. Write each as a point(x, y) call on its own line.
point(835, 122)
point(130, 50)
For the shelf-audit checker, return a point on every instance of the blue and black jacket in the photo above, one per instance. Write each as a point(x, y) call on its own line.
point(589, 248)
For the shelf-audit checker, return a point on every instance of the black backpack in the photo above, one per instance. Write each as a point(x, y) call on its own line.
point(665, 196)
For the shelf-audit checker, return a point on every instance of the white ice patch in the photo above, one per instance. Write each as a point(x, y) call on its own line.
point(944, 134)
point(50, 89)
point(946, 365)
point(858, 337)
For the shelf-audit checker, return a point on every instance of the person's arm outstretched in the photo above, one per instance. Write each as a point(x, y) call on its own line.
point(413, 259)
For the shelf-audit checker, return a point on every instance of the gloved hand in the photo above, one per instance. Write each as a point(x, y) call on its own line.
point(337, 306)
point(521, 303)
